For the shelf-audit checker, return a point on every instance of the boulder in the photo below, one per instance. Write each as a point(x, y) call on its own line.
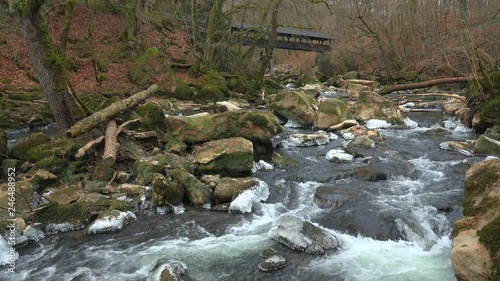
point(228, 189)
point(182, 91)
point(3, 144)
point(283, 161)
point(470, 258)
point(339, 156)
point(464, 147)
point(243, 203)
point(350, 75)
point(110, 221)
point(251, 125)
point(65, 195)
point(144, 169)
point(60, 218)
point(301, 235)
point(197, 192)
point(166, 191)
point(352, 90)
point(333, 197)
point(373, 106)
point(294, 106)
point(476, 248)
point(24, 144)
point(273, 263)
point(369, 173)
point(436, 132)
point(231, 156)
point(362, 141)
point(42, 179)
point(487, 145)
point(331, 112)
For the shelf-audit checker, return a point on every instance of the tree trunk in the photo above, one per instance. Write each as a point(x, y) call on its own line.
point(110, 144)
point(47, 64)
point(388, 89)
point(97, 118)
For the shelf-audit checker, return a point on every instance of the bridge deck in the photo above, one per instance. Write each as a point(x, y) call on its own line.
point(287, 38)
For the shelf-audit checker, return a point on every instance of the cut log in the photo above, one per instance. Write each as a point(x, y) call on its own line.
point(388, 89)
point(110, 145)
point(81, 152)
point(99, 117)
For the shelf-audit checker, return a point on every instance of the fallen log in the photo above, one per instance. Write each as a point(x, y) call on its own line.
point(343, 125)
point(369, 83)
point(388, 89)
point(99, 117)
point(110, 144)
point(453, 96)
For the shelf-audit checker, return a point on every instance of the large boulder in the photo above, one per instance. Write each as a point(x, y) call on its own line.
point(166, 191)
point(373, 106)
point(24, 144)
point(334, 197)
point(295, 106)
point(251, 125)
point(197, 193)
point(301, 235)
point(475, 251)
point(228, 189)
point(331, 112)
point(232, 156)
point(487, 145)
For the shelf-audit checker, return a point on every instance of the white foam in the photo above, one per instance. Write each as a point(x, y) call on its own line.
point(179, 209)
point(244, 202)
point(490, 158)
point(376, 124)
point(111, 222)
point(4, 251)
point(348, 136)
point(339, 155)
point(365, 259)
point(457, 126)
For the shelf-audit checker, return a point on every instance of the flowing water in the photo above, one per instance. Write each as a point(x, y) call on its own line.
point(395, 229)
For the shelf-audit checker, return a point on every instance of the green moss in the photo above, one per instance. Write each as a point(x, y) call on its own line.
point(462, 224)
point(55, 165)
point(25, 96)
point(209, 92)
point(73, 213)
point(183, 91)
point(152, 116)
point(489, 111)
point(93, 101)
point(23, 145)
point(113, 204)
point(58, 147)
point(489, 235)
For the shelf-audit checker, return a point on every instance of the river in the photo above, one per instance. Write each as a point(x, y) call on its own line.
point(396, 229)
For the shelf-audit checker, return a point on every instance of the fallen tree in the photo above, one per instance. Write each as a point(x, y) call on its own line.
point(110, 144)
point(424, 84)
point(114, 109)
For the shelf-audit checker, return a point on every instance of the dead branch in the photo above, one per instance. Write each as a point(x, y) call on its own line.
point(81, 152)
point(388, 89)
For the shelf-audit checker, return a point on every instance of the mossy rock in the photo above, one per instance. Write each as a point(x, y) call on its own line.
point(21, 148)
point(197, 192)
point(166, 191)
point(182, 91)
point(307, 77)
point(176, 147)
point(251, 125)
point(42, 179)
point(59, 147)
point(75, 213)
point(283, 162)
point(478, 178)
point(3, 144)
point(295, 106)
point(9, 122)
point(114, 204)
point(152, 116)
point(103, 173)
point(489, 112)
point(331, 112)
point(230, 156)
point(410, 75)
point(486, 145)
point(489, 235)
point(144, 169)
point(209, 92)
point(373, 106)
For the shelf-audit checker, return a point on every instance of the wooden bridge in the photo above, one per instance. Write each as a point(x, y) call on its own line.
point(287, 38)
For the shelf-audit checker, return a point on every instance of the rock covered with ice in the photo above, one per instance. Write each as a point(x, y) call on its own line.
point(301, 235)
point(111, 220)
point(34, 232)
point(245, 200)
point(302, 140)
point(339, 155)
point(4, 251)
point(376, 124)
point(261, 165)
point(167, 270)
